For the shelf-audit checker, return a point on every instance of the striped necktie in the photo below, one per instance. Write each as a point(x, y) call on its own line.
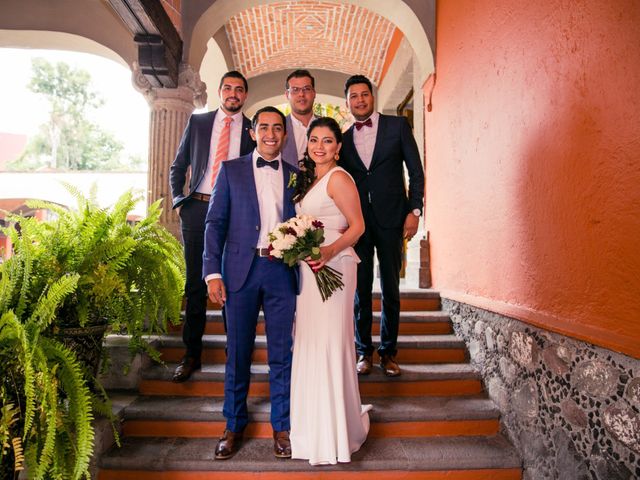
point(222, 149)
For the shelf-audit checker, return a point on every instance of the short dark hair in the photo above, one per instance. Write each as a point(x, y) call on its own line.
point(234, 74)
point(269, 109)
point(328, 122)
point(300, 74)
point(355, 79)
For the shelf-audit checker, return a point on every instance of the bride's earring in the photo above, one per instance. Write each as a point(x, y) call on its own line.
point(336, 157)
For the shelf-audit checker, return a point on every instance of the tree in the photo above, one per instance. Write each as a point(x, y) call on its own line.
point(68, 140)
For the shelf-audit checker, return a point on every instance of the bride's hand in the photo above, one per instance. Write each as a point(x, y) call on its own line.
point(326, 254)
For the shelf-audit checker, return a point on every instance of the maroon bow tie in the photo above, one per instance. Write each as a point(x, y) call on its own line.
point(366, 123)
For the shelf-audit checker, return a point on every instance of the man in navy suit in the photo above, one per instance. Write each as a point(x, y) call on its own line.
point(208, 139)
point(251, 196)
point(374, 150)
point(300, 92)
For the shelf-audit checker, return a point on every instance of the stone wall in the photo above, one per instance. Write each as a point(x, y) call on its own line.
point(571, 409)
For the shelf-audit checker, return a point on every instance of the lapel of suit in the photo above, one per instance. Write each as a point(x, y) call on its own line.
point(287, 194)
point(382, 124)
point(290, 151)
point(350, 144)
point(250, 182)
point(207, 131)
point(245, 137)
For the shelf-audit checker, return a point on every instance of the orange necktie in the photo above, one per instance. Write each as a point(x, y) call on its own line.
point(222, 150)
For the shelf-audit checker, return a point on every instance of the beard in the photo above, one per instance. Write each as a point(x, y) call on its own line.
point(230, 107)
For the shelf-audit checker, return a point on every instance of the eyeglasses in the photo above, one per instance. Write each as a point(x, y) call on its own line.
point(296, 90)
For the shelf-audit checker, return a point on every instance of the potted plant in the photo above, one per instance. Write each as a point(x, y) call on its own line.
point(130, 275)
point(46, 406)
point(70, 279)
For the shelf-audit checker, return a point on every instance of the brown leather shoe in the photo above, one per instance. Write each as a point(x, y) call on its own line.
point(228, 444)
point(364, 365)
point(187, 366)
point(281, 444)
point(389, 366)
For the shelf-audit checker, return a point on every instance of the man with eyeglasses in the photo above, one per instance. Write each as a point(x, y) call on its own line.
point(300, 92)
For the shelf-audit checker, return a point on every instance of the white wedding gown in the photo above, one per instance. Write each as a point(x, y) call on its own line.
point(328, 422)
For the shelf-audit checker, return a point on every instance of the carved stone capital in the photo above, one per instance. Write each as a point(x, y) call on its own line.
point(190, 93)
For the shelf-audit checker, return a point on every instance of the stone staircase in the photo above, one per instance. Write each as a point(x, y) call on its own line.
point(433, 422)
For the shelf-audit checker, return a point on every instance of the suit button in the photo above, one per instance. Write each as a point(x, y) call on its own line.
point(257, 228)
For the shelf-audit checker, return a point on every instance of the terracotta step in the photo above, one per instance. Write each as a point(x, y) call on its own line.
point(411, 300)
point(415, 381)
point(412, 349)
point(399, 417)
point(431, 458)
point(411, 323)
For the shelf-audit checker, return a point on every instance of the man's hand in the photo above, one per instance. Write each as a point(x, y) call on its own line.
point(216, 290)
point(410, 226)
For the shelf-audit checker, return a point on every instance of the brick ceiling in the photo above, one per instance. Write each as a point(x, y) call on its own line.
point(309, 34)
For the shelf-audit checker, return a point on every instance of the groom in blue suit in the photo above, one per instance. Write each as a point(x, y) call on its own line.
point(250, 197)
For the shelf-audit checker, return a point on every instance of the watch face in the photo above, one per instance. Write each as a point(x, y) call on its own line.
point(417, 212)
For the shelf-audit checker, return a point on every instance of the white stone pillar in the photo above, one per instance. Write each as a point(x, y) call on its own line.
point(170, 110)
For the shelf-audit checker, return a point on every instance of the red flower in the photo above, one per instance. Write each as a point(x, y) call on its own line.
point(317, 224)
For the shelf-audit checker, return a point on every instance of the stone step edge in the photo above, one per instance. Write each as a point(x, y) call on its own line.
point(425, 453)
point(259, 372)
point(386, 474)
point(479, 407)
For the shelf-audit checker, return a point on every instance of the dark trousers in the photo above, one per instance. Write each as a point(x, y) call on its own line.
point(192, 217)
point(387, 242)
point(270, 285)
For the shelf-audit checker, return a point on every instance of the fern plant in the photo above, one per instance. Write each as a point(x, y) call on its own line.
point(46, 404)
point(131, 276)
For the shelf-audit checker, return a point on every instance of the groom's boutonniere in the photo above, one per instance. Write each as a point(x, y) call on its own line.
point(293, 177)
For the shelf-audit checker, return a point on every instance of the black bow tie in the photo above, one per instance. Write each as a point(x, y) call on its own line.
point(366, 123)
point(265, 163)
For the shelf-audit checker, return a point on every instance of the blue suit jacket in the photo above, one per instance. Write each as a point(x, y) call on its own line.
point(233, 221)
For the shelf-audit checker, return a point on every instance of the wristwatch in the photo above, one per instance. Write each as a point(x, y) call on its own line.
point(417, 212)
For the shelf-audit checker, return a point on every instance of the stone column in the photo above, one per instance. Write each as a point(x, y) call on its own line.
point(170, 110)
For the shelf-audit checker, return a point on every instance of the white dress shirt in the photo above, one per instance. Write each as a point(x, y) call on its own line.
point(235, 136)
point(365, 139)
point(300, 135)
point(270, 190)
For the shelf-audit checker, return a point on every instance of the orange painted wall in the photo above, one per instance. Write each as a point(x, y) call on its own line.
point(533, 163)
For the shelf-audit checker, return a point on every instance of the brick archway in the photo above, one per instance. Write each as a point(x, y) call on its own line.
point(397, 12)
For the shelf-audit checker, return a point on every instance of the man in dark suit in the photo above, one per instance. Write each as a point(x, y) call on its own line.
point(374, 150)
point(208, 139)
point(252, 195)
point(300, 92)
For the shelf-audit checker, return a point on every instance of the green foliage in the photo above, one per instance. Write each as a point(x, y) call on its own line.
point(130, 276)
point(88, 266)
point(68, 140)
point(46, 404)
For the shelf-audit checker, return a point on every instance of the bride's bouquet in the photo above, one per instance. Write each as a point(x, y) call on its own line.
point(298, 238)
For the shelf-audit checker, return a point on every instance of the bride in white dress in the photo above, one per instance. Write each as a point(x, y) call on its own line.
point(328, 422)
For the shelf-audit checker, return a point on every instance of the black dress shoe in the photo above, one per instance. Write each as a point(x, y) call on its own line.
point(281, 444)
point(187, 366)
point(228, 445)
point(364, 365)
point(389, 366)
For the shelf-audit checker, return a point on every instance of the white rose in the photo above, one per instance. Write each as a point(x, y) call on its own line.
point(288, 241)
